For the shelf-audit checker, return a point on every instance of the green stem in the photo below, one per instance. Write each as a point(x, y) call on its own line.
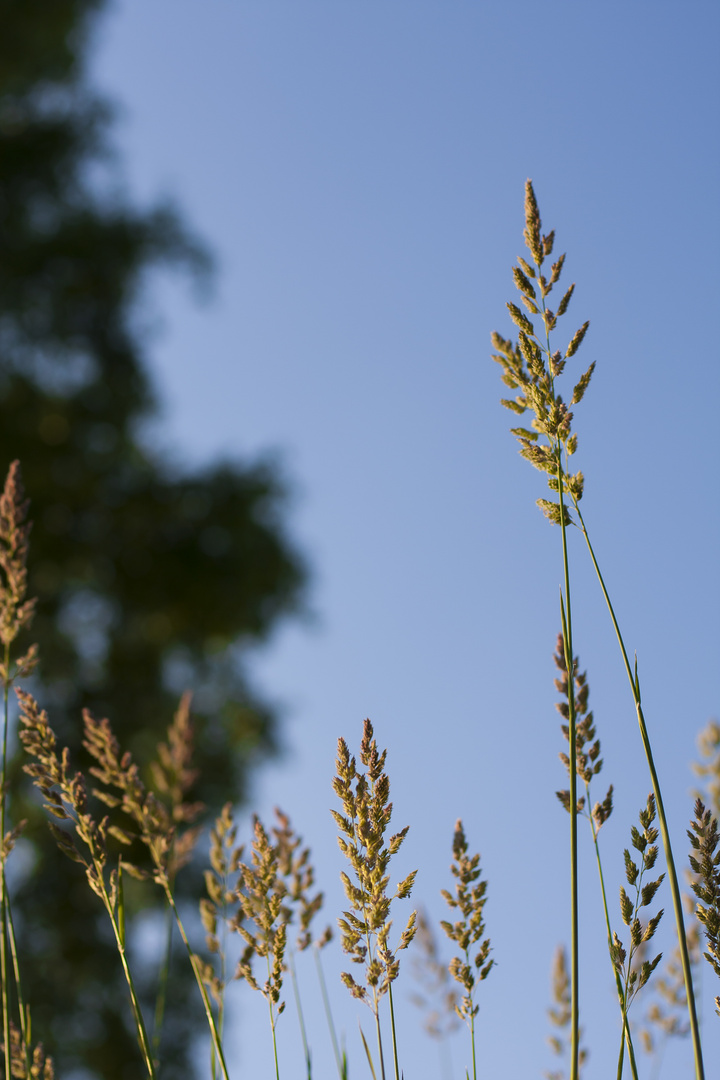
point(162, 991)
point(198, 978)
point(566, 613)
point(341, 1068)
point(626, 1036)
point(16, 970)
point(301, 1016)
point(392, 1029)
point(664, 832)
point(137, 1012)
point(472, 1040)
point(3, 884)
point(379, 1039)
point(272, 1020)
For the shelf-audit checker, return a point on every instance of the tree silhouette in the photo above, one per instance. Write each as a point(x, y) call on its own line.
point(149, 579)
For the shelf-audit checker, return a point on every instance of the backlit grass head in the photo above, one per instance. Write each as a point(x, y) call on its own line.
point(367, 811)
point(532, 368)
point(467, 931)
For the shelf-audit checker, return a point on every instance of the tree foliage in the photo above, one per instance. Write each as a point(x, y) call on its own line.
point(149, 579)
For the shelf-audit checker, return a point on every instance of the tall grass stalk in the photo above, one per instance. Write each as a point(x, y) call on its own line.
point(532, 368)
point(3, 885)
point(340, 1059)
point(662, 818)
point(16, 613)
point(587, 764)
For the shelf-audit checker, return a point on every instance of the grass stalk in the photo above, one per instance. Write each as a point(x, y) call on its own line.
point(214, 1034)
point(301, 1014)
point(566, 615)
point(119, 932)
point(662, 819)
point(161, 999)
point(380, 1045)
point(3, 884)
point(626, 1034)
point(340, 1059)
point(392, 1030)
point(272, 1021)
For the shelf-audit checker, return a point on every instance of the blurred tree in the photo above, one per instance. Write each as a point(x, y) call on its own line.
point(149, 580)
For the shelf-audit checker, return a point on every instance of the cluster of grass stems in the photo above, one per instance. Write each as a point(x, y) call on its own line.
point(143, 823)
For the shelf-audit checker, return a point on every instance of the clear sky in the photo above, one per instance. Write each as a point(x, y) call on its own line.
point(358, 169)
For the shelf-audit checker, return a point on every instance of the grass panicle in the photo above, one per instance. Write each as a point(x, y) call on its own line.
point(435, 996)
point(634, 978)
point(263, 923)
point(365, 928)
point(16, 614)
point(66, 798)
point(705, 863)
point(588, 763)
point(560, 1014)
point(471, 967)
point(533, 368)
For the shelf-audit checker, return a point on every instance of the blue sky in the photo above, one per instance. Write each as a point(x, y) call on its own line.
point(358, 170)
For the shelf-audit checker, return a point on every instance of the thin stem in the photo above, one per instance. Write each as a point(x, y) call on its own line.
point(379, 1041)
point(572, 731)
point(162, 990)
point(626, 1036)
point(272, 1020)
point(572, 739)
point(342, 1070)
point(16, 970)
point(198, 978)
point(3, 883)
point(137, 1012)
point(392, 1029)
point(664, 832)
point(472, 1040)
point(301, 1016)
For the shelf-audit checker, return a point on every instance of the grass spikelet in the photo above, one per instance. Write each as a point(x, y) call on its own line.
point(298, 874)
point(16, 612)
point(634, 978)
point(560, 1013)
point(705, 863)
point(365, 928)
point(469, 901)
point(66, 800)
point(709, 768)
point(220, 886)
point(588, 763)
point(435, 996)
point(261, 898)
point(38, 1066)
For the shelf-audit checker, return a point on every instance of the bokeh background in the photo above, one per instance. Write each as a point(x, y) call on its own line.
point(358, 170)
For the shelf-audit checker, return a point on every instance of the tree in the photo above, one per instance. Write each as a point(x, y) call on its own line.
point(149, 580)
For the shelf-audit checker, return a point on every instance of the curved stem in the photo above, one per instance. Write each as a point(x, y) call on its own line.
point(198, 978)
point(301, 1015)
point(626, 1036)
point(341, 1068)
point(162, 991)
point(662, 820)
